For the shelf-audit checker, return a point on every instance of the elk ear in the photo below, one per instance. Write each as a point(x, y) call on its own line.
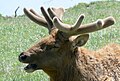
point(80, 40)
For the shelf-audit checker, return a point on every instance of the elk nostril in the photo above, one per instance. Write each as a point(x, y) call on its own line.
point(23, 57)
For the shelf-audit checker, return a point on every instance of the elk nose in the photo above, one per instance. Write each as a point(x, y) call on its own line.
point(22, 57)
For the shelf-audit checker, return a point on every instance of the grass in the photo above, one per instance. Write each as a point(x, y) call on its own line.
point(18, 34)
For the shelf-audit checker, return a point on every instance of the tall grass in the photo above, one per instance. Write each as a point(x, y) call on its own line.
point(18, 34)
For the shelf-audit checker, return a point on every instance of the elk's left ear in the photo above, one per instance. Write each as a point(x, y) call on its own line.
point(80, 40)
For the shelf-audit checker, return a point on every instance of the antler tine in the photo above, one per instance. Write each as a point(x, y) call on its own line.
point(91, 27)
point(31, 10)
point(51, 13)
point(78, 22)
point(108, 21)
point(39, 20)
point(49, 21)
point(68, 28)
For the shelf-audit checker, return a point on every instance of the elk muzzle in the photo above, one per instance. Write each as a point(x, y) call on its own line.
point(23, 57)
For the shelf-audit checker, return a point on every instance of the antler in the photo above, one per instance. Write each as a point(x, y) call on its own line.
point(55, 16)
point(35, 17)
point(45, 21)
point(77, 28)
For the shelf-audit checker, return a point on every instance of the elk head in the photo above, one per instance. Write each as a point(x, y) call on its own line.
point(56, 50)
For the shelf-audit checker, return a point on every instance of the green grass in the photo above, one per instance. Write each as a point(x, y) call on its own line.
point(18, 34)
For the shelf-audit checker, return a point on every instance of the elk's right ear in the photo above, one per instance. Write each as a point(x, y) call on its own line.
point(80, 40)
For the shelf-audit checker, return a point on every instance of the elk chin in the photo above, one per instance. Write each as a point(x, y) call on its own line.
point(31, 68)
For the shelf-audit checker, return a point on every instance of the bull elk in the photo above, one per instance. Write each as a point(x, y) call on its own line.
point(61, 54)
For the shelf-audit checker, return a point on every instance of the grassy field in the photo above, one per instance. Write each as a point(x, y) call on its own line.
point(18, 34)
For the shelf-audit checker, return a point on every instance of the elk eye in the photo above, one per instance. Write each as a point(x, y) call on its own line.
point(43, 47)
point(49, 47)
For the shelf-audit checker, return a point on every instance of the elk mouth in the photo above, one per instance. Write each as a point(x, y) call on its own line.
point(31, 68)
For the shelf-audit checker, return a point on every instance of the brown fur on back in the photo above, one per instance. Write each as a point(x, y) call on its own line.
point(101, 65)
